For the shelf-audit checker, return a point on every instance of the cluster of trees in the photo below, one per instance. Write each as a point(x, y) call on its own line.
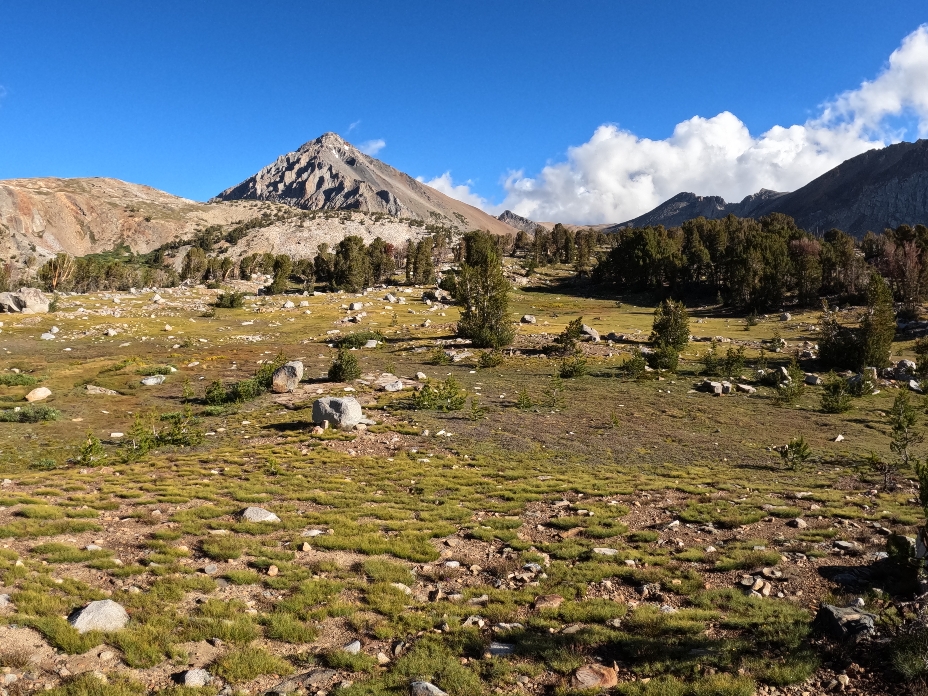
point(559, 246)
point(115, 270)
point(757, 264)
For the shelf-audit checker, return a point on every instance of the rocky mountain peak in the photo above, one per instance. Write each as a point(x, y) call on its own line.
point(329, 173)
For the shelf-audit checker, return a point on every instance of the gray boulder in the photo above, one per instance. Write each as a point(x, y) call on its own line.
point(812, 380)
point(195, 678)
point(424, 688)
point(341, 411)
point(287, 377)
point(591, 332)
point(845, 623)
point(24, 301)
point(529, 319)
point(256, 514)
point(905, 369)
point(153, 381)
point(102, 615)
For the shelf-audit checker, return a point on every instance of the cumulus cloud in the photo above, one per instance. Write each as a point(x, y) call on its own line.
point(372, 147)
point(616, 175)
point(461, 192)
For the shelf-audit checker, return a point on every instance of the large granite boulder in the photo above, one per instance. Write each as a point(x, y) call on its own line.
point(340, 411)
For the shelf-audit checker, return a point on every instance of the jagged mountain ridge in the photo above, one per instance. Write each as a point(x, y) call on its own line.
point(329, 173)
point(517, 221)
point(881, 188)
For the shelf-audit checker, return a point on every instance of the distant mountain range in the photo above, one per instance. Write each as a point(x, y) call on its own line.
point(329, 173)
point(878, 189)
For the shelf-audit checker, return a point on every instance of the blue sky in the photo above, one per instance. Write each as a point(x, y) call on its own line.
point(193, 97)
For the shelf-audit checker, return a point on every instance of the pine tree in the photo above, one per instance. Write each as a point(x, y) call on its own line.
point(878, 326)
point(483, 291)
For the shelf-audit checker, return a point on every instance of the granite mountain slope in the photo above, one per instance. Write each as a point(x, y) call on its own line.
point(329, 173)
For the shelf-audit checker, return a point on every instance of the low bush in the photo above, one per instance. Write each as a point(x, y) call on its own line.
point(447, 395)
point(29, 414)
point(345, 367)
point(359, 338)
point(15, 379)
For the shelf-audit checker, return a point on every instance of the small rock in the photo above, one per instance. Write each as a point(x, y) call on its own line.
point(424, 688)
point(551, 601)
point(353, 648)
point(153, 380)
point(256, 514)
point(594, 677)
point(798, 523)
point(196, 678)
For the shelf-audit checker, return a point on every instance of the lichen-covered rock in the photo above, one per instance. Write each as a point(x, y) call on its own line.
point(287, 377)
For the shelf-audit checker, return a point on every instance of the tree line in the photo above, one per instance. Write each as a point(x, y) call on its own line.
point(759, 264)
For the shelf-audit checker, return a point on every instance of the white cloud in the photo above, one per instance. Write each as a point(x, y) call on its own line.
point(461, 192)
point(616, 175)
point(353, 125)
point(372, 147)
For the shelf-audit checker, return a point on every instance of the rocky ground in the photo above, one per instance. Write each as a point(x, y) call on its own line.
point(551, 535)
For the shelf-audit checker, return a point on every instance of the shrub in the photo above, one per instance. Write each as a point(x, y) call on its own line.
point(439, 357)
point(490, 358)
point(664, 357)
point(90, 452)
point(796, 452)
point(345, 367)
point(635, 366)
point(711, 362)
point(14, 379)
point(230, 300)
point(572, 367)
point(671, 325)
point(29, 414)
point(523, 400)
point(447, 395)
point(566, 343)
point(216, 393)
point(789, 390)
point(835, 395)
point(359, 338)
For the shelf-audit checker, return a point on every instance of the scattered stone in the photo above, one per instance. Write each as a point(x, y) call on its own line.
point(529, 319)
point(798, 523)
point(211, 569)
point(38, 394)
point(343, 412)
point(353, 648)
point(47, 336)
point(605, 552)
point(195, 678)
point(289, 304)
point(102, 615)
point(813, 380)
point(424, 688)
point(256, 514)
point(287, 377)
point(93, 389)
point(356, 306)
point(551, 601)
point(745, 388)
point(845, 623)
point(501, 649)
point(594, 677)
point(153, 380)
point(273, 570)
point(372, 343)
